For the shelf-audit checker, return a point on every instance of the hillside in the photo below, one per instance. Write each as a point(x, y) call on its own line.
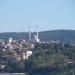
point(63, 35)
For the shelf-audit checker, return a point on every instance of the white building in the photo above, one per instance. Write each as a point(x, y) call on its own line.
point(10, 40)
point(26, 55)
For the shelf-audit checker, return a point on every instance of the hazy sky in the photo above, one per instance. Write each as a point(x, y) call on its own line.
point(17, 15)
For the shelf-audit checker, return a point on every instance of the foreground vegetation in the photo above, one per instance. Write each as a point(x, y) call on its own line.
point(47, 59)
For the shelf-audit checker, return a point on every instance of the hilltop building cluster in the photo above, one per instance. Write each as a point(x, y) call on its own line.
point(13, 50)
point(17, 50)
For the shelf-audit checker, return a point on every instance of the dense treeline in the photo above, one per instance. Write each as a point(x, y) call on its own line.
point(14, 35)
point(47, 59)
point(63, 35)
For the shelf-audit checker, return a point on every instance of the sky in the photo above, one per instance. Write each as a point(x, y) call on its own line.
point(17, 15)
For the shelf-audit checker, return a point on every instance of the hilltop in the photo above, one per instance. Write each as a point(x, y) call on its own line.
point(63, 35)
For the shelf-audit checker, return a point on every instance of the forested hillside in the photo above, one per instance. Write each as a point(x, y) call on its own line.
point(63, 35)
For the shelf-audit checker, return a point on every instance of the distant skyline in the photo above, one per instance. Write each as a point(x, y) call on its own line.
point(17, 15)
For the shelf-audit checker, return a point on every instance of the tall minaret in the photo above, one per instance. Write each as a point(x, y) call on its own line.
point(37, 32)
point(37, 38)
point(29, 33)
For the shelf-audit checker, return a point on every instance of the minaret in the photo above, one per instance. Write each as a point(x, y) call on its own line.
point(37, 38)
point(37, 32)
point(29, 33)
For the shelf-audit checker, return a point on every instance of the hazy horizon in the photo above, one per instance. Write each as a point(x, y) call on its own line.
point(38, 31)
